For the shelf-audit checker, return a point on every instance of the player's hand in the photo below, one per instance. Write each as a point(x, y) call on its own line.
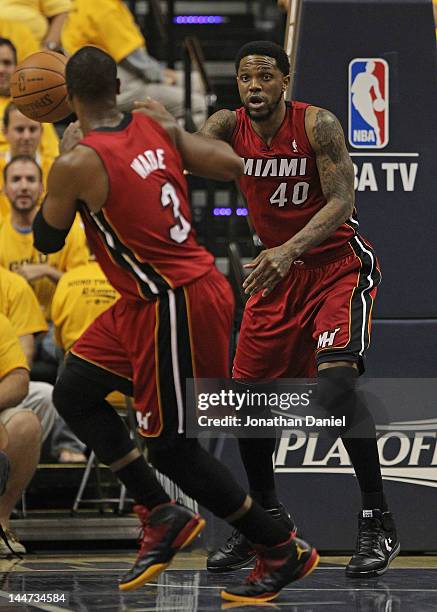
point(270, 267)
point(72, 136)
point(154, 109)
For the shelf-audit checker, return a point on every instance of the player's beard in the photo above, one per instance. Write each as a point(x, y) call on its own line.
point(269, 111)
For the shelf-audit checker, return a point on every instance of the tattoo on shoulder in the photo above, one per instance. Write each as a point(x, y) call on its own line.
point(220, 125)
point(328, 134)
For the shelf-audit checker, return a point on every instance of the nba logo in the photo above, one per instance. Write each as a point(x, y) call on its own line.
point(368, 103)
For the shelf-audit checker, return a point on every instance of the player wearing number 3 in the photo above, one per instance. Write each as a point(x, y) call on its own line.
point(312, 288)
point(172, 322)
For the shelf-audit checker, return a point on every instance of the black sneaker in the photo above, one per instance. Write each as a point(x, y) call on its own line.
point(165, 530)
point(275, 568)
point(237, 552)
point(377, 544)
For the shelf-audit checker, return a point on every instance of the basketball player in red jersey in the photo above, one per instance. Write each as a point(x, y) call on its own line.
point(311, 289)
point(126, 174)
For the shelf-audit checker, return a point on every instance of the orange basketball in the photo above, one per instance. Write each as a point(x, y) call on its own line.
point(38, 87)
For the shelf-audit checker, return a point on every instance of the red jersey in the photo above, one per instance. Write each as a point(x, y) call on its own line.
point(281, 182)
point(142, 237)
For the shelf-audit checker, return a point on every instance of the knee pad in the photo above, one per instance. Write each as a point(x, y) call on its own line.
point(82, 405)
point(335, 386)
point(68, 394)
point(337, 395)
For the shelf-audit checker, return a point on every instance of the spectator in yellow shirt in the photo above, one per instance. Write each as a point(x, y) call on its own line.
point(45, 18)
point(17, 253)
point(23, 187)
point(20, 36)
point(23, 136)
point(109, 24)
point(81, 296)
point(19, 304)
point(49, 145)
point(21, 424)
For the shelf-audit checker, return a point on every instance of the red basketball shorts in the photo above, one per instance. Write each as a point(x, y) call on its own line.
point(316, 314)
point(159, 344)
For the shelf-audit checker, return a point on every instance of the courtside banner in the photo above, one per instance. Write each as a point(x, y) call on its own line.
point(402, 409)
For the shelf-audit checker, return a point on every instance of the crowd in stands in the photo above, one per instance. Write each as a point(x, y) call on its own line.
point(46, 302)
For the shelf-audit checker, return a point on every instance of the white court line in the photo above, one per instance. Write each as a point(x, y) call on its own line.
point(384, 154)
point(39, 606)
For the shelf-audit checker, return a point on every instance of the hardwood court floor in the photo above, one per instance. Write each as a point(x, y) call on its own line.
point(88, 581)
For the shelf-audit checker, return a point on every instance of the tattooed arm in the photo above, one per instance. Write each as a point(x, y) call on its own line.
point(337, 181)
point(336, 178)
point(220, 125)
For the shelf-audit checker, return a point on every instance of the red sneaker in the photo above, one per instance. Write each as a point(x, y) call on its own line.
point(275, 568)
point(165, 530)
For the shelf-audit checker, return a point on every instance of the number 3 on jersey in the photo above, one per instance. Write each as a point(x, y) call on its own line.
point(179, 232)
point(299, 195)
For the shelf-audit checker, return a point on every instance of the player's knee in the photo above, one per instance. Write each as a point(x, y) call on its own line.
point(337, 395)
point(68, 397)
point(336, 390)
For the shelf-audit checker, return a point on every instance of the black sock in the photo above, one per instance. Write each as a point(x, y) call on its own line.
point(260, 528)
point(266, 499)
point(256, 454)
point(337, 394)
point(363, 453)
point(374, 499)
point(141, 483)
point(198, 474)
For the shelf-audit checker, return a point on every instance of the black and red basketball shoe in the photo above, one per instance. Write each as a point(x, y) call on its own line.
point(165, 530)
point(275, 567)
point(238, 552)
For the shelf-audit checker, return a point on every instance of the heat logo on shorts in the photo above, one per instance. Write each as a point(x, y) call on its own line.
point(368, 103)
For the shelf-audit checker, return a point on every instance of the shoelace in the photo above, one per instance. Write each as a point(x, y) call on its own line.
point(257, 573)
point(142, 540)
point(233, 538)
point(4, 537)
point(367, 537)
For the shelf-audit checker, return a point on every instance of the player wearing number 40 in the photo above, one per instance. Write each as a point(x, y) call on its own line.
point(311, 289)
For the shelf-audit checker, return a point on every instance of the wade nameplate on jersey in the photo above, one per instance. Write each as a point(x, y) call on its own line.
point(368, 103)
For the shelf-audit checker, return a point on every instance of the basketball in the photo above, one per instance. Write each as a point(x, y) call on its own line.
point(379, 105)
point(38, 87)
